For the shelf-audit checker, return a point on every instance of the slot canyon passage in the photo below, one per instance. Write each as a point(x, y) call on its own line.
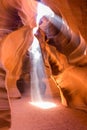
point(43, 65)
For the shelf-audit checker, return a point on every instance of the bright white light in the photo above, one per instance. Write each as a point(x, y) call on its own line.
point(35, 30)
point(34, 45)
point(35, 49)
point(43, 11)
point(44, 104)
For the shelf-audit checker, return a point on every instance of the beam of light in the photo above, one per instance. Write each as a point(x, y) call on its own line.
point(37, 72)
point(38, 69)
point(44, 104)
